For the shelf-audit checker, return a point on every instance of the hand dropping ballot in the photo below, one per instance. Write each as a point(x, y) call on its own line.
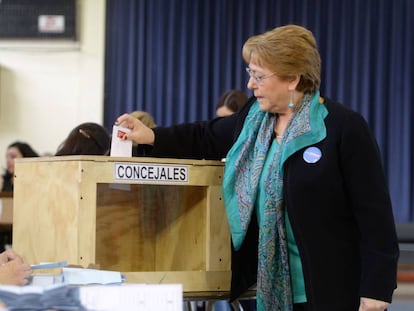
point(119, 147)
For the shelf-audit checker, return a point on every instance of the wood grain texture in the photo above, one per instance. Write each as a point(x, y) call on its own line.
point(72, 208)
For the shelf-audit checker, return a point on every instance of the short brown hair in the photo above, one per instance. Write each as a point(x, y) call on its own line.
point(144, 117)
point(289, 51)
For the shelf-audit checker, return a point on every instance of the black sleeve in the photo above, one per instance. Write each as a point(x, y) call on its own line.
point(210, 140)
point(366, 183)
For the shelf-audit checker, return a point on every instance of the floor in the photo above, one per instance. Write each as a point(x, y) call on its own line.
point(404, 295)
point(403, 301)
point(403, 298)
point(402, 306)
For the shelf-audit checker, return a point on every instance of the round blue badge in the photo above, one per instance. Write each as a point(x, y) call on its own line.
point(312, 155)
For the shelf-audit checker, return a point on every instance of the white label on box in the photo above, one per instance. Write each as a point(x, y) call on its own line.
point(151, 172)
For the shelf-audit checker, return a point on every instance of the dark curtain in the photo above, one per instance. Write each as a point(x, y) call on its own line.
point(173, 59)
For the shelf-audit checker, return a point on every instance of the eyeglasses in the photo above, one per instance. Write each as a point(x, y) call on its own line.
point(258, 79)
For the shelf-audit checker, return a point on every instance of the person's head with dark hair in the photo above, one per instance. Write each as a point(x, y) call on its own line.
point(86, 139)
point(24, 149)
point(230, 102)
point(15, 150)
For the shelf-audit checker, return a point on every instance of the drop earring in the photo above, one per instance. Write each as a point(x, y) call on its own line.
point(291, 104)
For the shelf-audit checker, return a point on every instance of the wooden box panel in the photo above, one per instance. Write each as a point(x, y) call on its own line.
point(154, 228)
point(6, 208)
point(76, 208)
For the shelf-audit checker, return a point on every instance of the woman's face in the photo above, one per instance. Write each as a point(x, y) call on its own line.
point(11, 154)
point(272, 93)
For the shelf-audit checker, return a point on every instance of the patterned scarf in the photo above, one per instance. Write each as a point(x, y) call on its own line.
point(244, 165)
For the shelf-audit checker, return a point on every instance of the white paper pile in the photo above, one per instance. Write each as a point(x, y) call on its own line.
point(142, 297)
point(80, 276)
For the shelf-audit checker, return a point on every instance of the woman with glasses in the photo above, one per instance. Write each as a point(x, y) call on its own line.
point(305, 194)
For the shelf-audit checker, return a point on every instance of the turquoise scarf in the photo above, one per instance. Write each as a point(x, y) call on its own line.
point(243, 169)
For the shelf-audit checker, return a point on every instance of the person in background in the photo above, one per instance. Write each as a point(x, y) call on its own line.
point(15, 150)
point(145, 118)
point(86, 139)
point(230, 102)
point(304, 189)
point(13, 269)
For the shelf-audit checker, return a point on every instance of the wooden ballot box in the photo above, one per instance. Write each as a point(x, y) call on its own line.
point(155, 220)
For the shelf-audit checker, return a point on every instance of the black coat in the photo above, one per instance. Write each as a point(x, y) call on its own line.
point(339, 208)
point(7, 182)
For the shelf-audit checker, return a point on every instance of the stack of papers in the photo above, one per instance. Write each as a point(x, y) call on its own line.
point(49, 265)
point(75, 276)
point(62, 297)
point(142, 297)
point(80, 276)
point(78, 289)
point(56, 297)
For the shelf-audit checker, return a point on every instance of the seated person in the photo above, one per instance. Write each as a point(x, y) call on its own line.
point(15, 150)
point(144, 117)
point(86, 139)
point(13, 269)
point(230, 102)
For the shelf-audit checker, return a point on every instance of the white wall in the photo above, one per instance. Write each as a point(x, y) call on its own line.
point(48, 88)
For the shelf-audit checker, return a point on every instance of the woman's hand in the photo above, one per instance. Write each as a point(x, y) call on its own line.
point(15, 272)
point(369, 304)
point(7, 256)
point(140, 133)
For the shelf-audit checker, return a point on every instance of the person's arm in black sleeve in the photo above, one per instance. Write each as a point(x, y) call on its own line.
point(210, 140)
point(372, 208)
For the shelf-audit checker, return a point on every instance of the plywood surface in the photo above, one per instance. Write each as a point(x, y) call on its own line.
point(73, 209)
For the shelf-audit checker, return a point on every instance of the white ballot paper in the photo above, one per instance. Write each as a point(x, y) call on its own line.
point(119, 147)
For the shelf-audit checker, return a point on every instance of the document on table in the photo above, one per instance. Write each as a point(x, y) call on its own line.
point(81, 276)
point(49, 265)
point(143, 297)
point(40, 297)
